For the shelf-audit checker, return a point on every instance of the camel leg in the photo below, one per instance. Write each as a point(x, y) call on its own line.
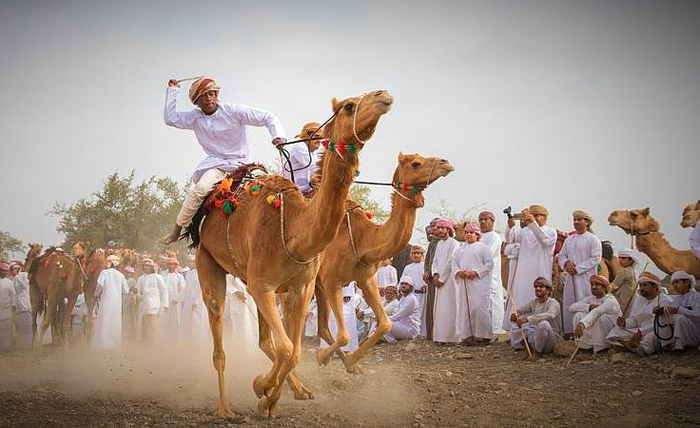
point(373, 299)
point(90, 324)
point(298, 305)
point(66, 322)
point(37, 301)
point(335, 300)
point(212, 279)
point(49, 316)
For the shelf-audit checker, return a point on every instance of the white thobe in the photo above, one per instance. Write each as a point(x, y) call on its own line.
point(23, 311)
point(223, 134)
point(153, 298)
point(111, 284)
point(641, 318)
point(242, 317)
point(473, 296)
point(175, 283)
point(405, 324)
point(350, 319)
point(535, 254)
point(695, 240)
point(311, 327)
point(584, 251)
point(195, 321)
point(598, 322)
point(445, 309)
point(386, 275)
point(303, 163)
point(7, 302)
point(493, 241)
point(415, 271)
point(543, 326)
point(686, 331)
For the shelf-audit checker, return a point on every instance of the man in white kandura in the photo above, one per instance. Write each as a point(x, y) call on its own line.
point(472, 264)
point(175, 283)
point(535, 255)
point(153, 300)
point(415, 270)
point(636, 333)
point(349, 317)
point(493, 241)
point(195, 320)
point(594, 316)
point(222, 131)
point(445, 308)
point(685, 311)
point(579, 258)
point(7, 307)
point(540, 319)
point(111, 284)
point(303, 157)
point(23, 311)
point(405, 323)
point(386, 275)
point(241, 317)
point(695, 240)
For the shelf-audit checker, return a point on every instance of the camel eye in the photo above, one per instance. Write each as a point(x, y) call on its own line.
point(634, 215)
point(415, 164)
point(349, 108)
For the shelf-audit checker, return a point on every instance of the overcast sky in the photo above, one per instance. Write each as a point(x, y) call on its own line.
point(588, 104)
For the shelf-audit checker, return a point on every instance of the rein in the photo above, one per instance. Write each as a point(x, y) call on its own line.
point(352, 240)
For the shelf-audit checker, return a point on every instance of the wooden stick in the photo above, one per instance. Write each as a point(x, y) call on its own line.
point(578, 346)
point(187, 79)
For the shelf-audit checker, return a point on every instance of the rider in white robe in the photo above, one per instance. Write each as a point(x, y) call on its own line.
point(111, 284)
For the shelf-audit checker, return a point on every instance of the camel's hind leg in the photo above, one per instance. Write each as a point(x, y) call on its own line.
point(335, 300)
point(212, 279)
point(301, 392)
point(371, 295)
point(49, 319)
point(288, 353)
point(66, 321)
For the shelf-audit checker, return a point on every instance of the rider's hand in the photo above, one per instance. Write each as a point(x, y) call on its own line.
point(173, 83)
point(278, 140)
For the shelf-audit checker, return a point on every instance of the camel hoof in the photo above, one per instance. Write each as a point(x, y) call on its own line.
point(356, 370)
point(323, 357)
point(266, 408)
point(303, 395)
point(258, 387)
point(225, 412)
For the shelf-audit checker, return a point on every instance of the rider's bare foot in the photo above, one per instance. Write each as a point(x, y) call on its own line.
point(173, 237)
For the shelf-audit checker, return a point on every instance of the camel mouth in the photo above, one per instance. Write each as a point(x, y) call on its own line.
point(444, 170)
point(382, 106)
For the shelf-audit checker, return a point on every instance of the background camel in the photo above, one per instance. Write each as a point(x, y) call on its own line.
point(651, 241)
point(691, 214)
point(274, 246)
point(358, 257)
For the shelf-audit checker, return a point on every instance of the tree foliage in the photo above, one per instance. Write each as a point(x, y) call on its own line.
point(8, 245)
point(124, 213)
point(363, 196)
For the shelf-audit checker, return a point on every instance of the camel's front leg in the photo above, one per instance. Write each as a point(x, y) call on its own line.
point(298, 305)
point(371, 295)
point(212, 279)
point(301, 392)
point(335, 300)
point(90, 319)
point(66, 321)
point(48, 321)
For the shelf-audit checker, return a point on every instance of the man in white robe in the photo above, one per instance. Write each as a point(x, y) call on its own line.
point(695, 240)
point(405, 323)
point(636, 333)
point(535, 252)
point(445, 308)
point(195, 320)
point(7, 307)
point(311, 326)
point(303, 157)
point(540, 320)
point(349, 317)
point(624, 285)
point(594, 316)
point(685, 311)
point(391, 306)
point(472, 264)
point(579, 258)
point(494, 242)
point(23, 312)
point(111, 284)
point(78, 319)
point(153, 300)
point(415, 270)
point(222, 131)
point(386, 275)
point(175, 283)
point(241, 315)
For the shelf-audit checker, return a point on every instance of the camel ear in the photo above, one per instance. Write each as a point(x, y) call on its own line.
point(335, 104)
point(645, 211)
point(697, 205)
point(401, 158)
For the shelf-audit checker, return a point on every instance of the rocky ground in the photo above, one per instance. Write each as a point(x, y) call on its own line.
point(408, 384)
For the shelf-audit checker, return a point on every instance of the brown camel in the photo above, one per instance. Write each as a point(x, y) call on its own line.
point(651, 241)
point(32, 254)
point(54, 277)
point(360, 247)
point(691, 214)
point(95, 262)
point(272, 242)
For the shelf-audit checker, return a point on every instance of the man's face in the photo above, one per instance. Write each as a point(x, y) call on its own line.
point(625, 261)
point(471, 237)
point(580, 224)
point(648, 290)
point(541, 219)
point(314, 145)
point(172, 267)
point(541, 290)
point(208, 102)
point(4, 273)
point(681, 286)
point(406, 288)
point(598, 289)
point(128, 275)
point(149, 268)
point(442, 232)
point(191, 263)
point(15, 270)
point(485, 224)
point(416, 256)
point(389, 293)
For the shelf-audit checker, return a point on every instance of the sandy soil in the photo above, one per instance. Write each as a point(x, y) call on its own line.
point(408, 384)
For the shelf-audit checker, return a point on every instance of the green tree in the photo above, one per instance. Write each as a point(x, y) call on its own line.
point(124, 213)
point(8, 245)
point(363, 196)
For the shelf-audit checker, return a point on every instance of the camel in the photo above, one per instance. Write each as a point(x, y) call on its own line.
point(272, 241)
point(54, 277)
point(95, 262)
point(691, 214)
point(32, 254)
point(651, 241)
point(360, 247)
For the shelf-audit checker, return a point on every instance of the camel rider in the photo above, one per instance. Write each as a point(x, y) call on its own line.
point(221, 130)
point(303, 159)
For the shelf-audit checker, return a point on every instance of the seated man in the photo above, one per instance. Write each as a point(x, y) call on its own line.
point(636, 333)
point(391, 305)
point(685, 310)
point(594, 316)
point(405, 323)
point(539, 319)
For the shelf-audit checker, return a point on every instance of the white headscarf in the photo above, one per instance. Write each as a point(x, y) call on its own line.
point(681, 274)
point(628, 252)
point(408, 280)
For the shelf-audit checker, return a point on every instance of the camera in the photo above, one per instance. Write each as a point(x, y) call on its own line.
point(517, 216)
point(508, 211)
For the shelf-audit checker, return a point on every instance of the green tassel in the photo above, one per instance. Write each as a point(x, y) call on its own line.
point(227, 207)
point(414, 190)
point(332, 146)
point(352, 148)
point(357, 173)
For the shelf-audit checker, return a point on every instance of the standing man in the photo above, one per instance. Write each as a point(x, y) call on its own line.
point(221, 130)
point(195, 321)
point(303, 159)
point(111, 284)
point(153, 300)
point(595, 315)
point(445, 311)
point(386, 275)
point(579, 258)
point(494, 242)
point(175, 283)
point(426, 328)
point(625, 283)
point(415, 270)
point(540, 319)
point(23, 311)
point(7, 307)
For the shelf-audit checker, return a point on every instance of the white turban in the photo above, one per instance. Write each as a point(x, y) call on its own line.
point(113, 259)
point(408, 280)
point(627, 252)
point(681, 274)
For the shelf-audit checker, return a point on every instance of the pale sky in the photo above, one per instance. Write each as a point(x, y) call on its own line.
point(588, 104)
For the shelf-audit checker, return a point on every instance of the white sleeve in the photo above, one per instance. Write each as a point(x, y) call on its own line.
point(580, 306)
point(545, 239)
point(257, 117)
point(695, 240)
point(563, 256)
point(164, 297)
point(172, 117)
point(100, 283)
point(487, 267)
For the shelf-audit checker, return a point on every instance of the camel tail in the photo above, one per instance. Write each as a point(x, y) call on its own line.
point(191, 232)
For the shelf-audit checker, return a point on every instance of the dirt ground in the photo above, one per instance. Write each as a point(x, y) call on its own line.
point(408, 384)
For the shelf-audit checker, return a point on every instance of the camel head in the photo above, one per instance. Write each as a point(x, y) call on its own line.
point(415, 172)
point(634, 222)
point(33, 253)
point(357, 117)
point(691, 214)
point(80, 249)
